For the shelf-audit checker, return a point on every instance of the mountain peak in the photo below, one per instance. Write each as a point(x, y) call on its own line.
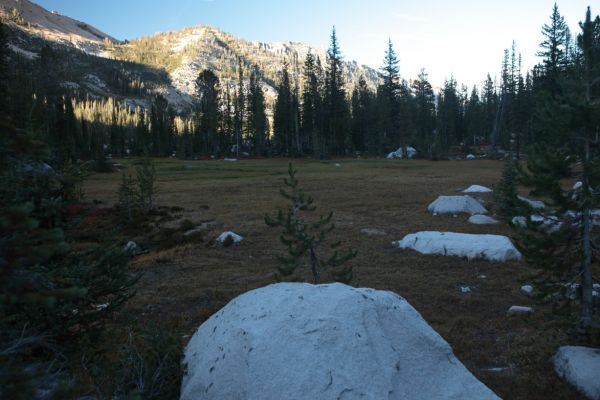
point(50, 24)
point(175, 58)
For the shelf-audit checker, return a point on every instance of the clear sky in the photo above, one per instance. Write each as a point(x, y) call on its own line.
point(465, 38)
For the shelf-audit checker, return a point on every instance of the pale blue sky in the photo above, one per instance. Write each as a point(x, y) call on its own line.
point(465, 38)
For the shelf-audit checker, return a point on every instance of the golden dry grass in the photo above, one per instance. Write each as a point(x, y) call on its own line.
point(184, 285)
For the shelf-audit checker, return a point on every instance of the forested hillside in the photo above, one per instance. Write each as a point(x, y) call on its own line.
point(200, 92)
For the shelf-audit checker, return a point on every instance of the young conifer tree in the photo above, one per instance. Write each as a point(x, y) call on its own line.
point(505, 194)
point(306, 239)
point(128, 197)
point(146, 182)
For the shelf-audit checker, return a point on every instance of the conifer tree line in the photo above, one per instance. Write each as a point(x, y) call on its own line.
point(316, 113)
point(560, 240)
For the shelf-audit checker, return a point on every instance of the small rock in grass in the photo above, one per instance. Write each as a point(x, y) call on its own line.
point(199, 229)
point(520, 310)
point(519, 221)
point(131, 247)
point(480, 219)
point(550, 224)
point(497, 369)
point(373, 232)
point(228, 238)
point(535, 204)
point(465, 289)
point(193, 231)
point(527, 289)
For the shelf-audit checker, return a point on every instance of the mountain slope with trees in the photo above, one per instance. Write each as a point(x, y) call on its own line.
point(201, 92)
point(182, 54)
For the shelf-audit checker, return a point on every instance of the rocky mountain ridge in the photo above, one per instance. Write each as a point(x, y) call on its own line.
point(182, 54)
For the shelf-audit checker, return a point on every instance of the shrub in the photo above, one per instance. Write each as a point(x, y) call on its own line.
point(51, 296)
point(149, 365)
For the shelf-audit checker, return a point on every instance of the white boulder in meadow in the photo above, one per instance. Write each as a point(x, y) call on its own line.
point(480, 219)
point(520, 310)
point(234, 236)
point(535, 204)
point(580, 366)
point(132, 247)
point(303, 341)
point(489, 247)
point(527, 289)
point(456, 204)
point(411, 151)
point(519, 221)
point(550, 224)
point(477, 189)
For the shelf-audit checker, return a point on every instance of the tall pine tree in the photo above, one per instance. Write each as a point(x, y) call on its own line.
point(283, 119)
point(389, 115)
point(257, 119)
point(208, 112)
point(424, 113)
point(335, 103)
point(312, 112)
point(567, 253)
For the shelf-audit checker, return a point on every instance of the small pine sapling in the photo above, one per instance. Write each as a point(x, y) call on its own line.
point(306, 241)
point(74, 173)
point(505, 194)
point(146, 181)
point(128, 197)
